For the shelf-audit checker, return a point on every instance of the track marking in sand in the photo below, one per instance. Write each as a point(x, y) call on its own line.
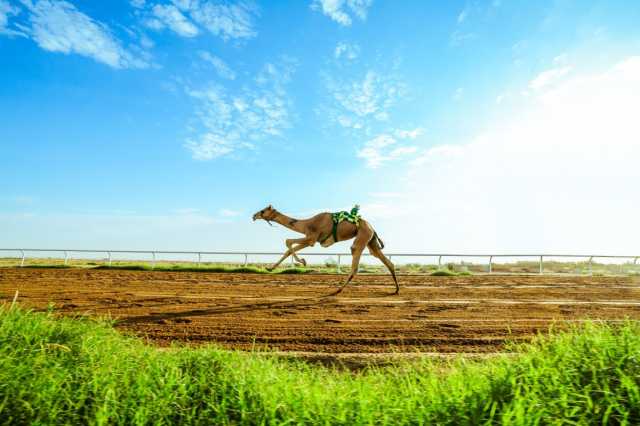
point(385, 355)
point(379, 301)
point(439, 320)
point(509, 287)
point(479, 301)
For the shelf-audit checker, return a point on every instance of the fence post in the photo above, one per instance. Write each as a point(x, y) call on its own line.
point(591, 266)
point(338, 265)
point(541, 267)
point(66, 256)
point(109, 254)
point(153, 262)
point(439, 262)
point(23, 256)
point(246, 259)
point(490, 264)
point(199, 259)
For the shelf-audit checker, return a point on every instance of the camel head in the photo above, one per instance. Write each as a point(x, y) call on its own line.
point(268, 214)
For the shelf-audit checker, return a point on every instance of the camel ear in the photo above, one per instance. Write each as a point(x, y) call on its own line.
point(270, 207)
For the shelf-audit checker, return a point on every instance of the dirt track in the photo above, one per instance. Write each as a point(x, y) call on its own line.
point(292, 312)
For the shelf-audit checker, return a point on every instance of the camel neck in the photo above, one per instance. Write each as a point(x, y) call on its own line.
point(288, 222)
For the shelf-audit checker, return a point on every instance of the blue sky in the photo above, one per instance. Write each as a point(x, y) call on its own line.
point(166, 124)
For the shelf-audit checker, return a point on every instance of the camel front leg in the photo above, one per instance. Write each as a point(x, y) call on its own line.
point(289, 243)
point(288, 253)
point(356, 252)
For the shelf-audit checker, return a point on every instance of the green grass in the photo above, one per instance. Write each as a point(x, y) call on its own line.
point(219, 268)
point(329, 266)
point(81, 371)
point(443, 273)
point(45, 266)
point(183, 268)
point(450, 273)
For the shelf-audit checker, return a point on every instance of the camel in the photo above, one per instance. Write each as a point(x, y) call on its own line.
point(320, 228)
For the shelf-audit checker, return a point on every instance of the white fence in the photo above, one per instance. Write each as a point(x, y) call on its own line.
point(197, 256)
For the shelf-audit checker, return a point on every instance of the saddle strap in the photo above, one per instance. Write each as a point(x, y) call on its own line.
point(338, 217)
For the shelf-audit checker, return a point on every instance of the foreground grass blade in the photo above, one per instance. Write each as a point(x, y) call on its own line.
point(81, 371)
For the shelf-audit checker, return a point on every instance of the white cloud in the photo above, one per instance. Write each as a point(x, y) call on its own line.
point(7, 11)
point(362, 106)
point(187, 17)
point(229, 21)
point(561, 59)
point(549, 77)
point(342, 11)
point(229, 121)
point(220, 66)
point(357, 102)
point(187, 210)
point(557, 176)
point(460, 37)
point(438, 153)
point(57, 26)
point(171, 17)
point(409, 134)
point(228, 213)
point(384, 148)
point(348, 51)
point(463, 15)
point(387, 195)
point(138, 4)
point(458, 94)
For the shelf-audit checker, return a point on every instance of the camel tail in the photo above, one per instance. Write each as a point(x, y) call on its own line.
point(377, 238)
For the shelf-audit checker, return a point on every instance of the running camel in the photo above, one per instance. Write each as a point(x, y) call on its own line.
point(327, 229)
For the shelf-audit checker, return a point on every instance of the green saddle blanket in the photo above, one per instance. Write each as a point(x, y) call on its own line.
point(353, 216)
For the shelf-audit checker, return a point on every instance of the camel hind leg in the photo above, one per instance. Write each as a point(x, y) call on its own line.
point(375, 250)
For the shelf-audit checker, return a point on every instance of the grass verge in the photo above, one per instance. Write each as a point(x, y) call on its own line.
point(221, 268)
point(182, 268)
point(450, 273)
point(47, 266)
point(81, 371)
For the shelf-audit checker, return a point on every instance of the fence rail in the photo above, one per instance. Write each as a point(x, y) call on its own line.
point(198, 254)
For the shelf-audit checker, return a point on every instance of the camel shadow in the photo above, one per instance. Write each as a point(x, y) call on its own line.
point(247, 307)
point(339, 292)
